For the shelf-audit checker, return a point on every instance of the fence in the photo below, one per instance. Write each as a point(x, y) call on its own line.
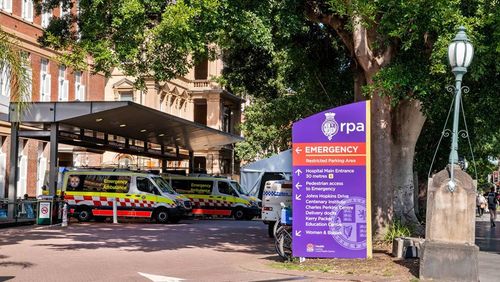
point(21, 209)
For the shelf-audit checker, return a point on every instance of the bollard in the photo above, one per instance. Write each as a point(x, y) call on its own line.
point(115, 217)
point(65, 215)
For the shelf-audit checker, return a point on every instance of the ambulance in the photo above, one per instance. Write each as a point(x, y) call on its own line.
point(90, 194)
point(215, 196)
point(277, 194)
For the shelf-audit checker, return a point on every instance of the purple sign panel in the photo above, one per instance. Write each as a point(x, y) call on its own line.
point(331, 183)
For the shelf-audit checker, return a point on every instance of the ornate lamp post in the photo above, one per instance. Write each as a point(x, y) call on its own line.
point(460, 53)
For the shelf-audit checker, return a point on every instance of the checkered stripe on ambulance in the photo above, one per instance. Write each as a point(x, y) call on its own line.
point(134, 194)
point(216, 205)
point(212, 196)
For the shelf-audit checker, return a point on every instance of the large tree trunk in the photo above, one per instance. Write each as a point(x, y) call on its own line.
point(382, 193)
point(359, 82)
point(360, 41)
point(407, 122)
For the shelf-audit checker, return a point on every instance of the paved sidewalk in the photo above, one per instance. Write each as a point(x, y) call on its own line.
point(488, 241)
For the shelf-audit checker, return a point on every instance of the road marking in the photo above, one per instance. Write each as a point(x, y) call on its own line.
point(159, 278)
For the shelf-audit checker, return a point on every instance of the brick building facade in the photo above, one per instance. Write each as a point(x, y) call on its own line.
point(193, 97)
point(50, 81)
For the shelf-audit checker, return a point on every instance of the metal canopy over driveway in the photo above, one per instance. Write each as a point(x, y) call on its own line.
point(124, 127)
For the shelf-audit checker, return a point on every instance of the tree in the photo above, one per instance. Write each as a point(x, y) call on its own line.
point(13, 61)
point(302, 72)
point(398, 59)
point(394, 53)
point(155, 39)
point(480, 104)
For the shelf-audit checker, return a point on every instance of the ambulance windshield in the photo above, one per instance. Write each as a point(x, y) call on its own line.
point(237, 187)
point(163, 185)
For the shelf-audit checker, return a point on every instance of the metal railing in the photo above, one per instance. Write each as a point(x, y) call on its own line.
point(18, 210)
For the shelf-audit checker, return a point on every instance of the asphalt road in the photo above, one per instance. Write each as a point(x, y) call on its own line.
point(195, 250)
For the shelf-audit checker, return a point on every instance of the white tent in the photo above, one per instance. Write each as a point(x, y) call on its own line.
point(253, 174)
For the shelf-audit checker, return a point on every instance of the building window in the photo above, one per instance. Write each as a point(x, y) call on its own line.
point(226, 119)
point(3, 166)
point(46, 17)
point(27, 10)
point(6, 5)
point(200, 111)
point(45, 80)
point(79, 87)
point(201, 70)
point(63, 84)
point(23, 169)
point(41, 168)
point(5, 81)
point(126, 96)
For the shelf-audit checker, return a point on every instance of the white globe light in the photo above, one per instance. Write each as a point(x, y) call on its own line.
point(460, 50)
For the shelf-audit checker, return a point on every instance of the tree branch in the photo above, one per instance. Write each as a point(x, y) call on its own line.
point(363, 53)
point(314, 13)
point(386, 57)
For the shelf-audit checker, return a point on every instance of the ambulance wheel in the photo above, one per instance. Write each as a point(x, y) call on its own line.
point(161, 216)
point(84, 214)
point(239, 214)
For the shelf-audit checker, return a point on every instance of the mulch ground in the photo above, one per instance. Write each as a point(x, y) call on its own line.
point(382, 267)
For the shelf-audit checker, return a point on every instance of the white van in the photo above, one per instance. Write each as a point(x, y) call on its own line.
point(215, 196)
point(90, 194)
point(275, 193)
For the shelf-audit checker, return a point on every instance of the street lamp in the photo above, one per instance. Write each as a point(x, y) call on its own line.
point(460, 53)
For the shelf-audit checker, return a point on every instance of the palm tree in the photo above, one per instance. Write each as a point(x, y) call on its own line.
point(15, 63)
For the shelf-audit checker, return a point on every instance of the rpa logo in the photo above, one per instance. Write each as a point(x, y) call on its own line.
point(330, 127)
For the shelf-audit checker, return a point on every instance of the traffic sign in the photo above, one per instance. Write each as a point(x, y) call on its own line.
point(44, 210)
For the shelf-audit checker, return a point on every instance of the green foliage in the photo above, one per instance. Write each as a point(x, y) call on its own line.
point(305, 70)
point(154, 38)
point(398, 229)
point(268, 124)
point(292, 67)
point(480, 104)
point(421, 32)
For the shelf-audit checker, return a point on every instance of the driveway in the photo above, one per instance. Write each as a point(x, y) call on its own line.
point(196, 250)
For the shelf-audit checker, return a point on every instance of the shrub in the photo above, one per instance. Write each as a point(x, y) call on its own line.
point(398, 229)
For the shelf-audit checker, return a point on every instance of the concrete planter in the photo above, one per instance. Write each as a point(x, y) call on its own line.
point(407, 247)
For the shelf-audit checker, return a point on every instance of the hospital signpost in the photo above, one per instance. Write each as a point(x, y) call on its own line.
point(331, 183)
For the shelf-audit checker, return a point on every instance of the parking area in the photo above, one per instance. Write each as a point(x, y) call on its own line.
point(195, 250)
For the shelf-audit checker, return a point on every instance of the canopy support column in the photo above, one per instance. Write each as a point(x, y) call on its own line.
point(53, 169)
point(163, 165)
point(191, 162)
point(13, 169)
